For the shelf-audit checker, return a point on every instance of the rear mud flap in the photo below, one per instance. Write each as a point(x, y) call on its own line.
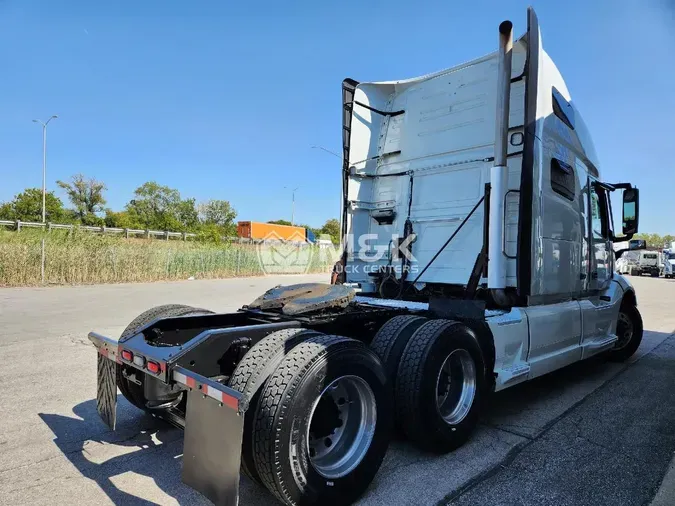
point(212, 448)
point(214, 424)
point(106, 390)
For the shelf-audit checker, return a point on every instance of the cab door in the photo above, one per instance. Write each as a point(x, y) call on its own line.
point(601, 251)
point(602, 298)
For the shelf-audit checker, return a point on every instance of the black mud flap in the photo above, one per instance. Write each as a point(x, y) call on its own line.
point(212, 448)
point(106, 390)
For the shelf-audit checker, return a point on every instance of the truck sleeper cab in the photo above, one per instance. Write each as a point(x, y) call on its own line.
point(480, 257)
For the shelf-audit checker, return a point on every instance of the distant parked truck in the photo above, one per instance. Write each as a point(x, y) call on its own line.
point(260, 230)
point(647, 262)
point(668, 262)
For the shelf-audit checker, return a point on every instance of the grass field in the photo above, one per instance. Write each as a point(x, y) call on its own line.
point(86, 258)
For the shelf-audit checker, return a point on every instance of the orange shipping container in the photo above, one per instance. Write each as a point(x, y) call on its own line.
point(259, 230)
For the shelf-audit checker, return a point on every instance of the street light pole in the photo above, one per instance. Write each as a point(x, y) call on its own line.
point(293, 205)
point(44, 162)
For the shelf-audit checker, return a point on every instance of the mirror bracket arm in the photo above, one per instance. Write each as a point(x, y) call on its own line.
point(622, 238)
point(621, 186)
point(619, 253)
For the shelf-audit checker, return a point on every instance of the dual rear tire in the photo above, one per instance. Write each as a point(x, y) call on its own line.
point(323, 407)
point(318, 425)
point(250, 375)
point(436, 371)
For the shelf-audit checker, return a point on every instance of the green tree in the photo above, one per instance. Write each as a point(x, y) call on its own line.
point(6, 211)
point(332, 228)
point(280, 222)
point(86, 196)
point(656, 240)
point(159, 207)
point(121, 219)
point(188, 216)
point(209, 232)
point(27, 206)
point(218, 213)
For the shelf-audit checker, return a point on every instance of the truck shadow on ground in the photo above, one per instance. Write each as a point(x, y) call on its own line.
point(532, 406)
point(141, 446)
point(528, 408)
point(135, 447)
point(150, 448)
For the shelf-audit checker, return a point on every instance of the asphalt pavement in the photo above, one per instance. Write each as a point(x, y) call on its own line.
point(594, 433)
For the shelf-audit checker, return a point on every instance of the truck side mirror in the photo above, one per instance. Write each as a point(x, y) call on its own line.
point(630, 211)
point(636, 244)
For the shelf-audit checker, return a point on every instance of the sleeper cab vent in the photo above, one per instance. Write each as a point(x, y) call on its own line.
point(562, 178)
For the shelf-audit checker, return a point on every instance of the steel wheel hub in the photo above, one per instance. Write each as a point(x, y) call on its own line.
point(456, 387)
point(624, 331)
point(342, 425)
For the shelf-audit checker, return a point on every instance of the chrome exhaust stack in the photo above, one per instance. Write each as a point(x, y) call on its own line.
point(499, 173)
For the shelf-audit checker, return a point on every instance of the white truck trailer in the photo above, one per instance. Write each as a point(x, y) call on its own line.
point(487, 261)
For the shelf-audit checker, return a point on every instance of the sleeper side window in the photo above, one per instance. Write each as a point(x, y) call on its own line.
point(563, 178)
point(563, 109)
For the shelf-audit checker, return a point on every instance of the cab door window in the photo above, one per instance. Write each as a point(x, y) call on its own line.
point(596, 216)
point(599, 215)
point(601, 254)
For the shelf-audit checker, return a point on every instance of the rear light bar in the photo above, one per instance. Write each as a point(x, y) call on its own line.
point(153, 367)
point(140, 362)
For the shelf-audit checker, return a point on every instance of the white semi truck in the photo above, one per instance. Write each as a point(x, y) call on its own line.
point(482, 187)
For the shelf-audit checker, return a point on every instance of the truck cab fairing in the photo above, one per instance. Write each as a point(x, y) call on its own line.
point(430, 164)
point(417, 158)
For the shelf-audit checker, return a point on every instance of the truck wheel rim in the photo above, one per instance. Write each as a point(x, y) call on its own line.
point(341, 427)
point(624, 331)
point(456, 387)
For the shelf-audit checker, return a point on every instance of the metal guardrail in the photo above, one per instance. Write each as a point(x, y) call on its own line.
point(129, 232)
point(18, 225)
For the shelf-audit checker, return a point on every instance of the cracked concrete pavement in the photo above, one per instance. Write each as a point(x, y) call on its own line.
point(594, 433)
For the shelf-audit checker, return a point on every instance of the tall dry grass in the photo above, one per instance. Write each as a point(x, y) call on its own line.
point(86, 258)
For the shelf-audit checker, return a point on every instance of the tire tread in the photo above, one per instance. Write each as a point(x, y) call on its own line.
point(384, 340)
point(638, 324)
point(278, 388)
point(252, 372)
point(410, 376)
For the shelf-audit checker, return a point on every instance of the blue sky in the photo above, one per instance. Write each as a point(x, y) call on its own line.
point(225, 99)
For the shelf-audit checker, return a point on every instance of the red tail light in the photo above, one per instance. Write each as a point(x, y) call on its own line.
point(153, 367)
point(127, 355)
